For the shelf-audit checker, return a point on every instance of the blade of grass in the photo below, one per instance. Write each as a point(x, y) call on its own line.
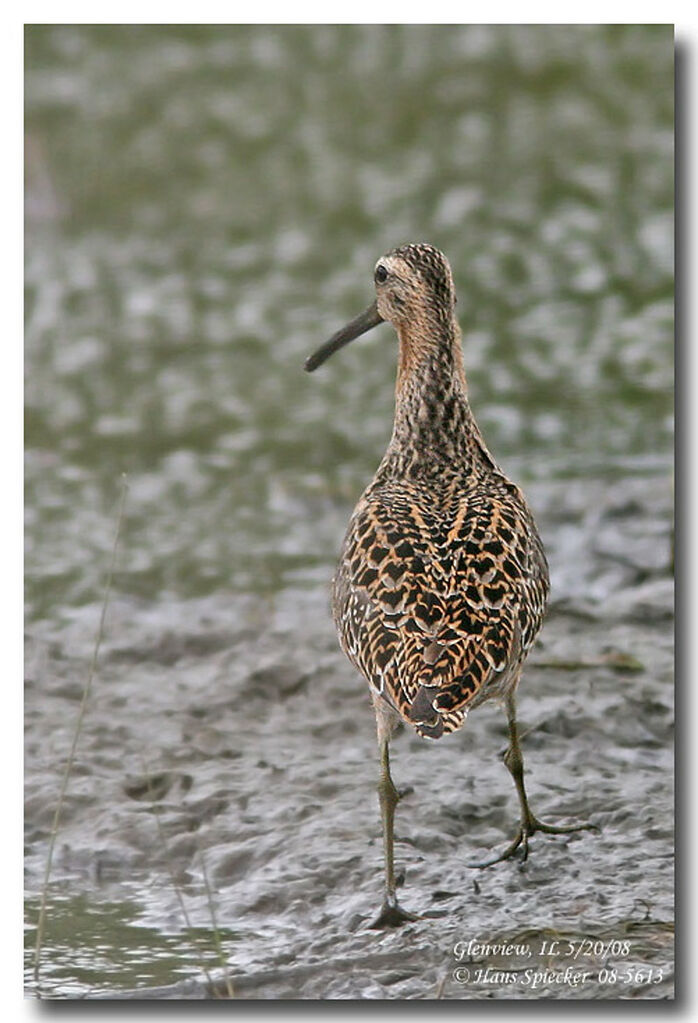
point(216, 932)
point(41, 923)
point(173, 877)
point(193, 937)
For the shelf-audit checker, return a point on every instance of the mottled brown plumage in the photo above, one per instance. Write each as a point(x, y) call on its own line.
point(442, 580)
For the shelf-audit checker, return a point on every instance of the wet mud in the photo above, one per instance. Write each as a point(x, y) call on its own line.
point(227, 753)
point(204, 207)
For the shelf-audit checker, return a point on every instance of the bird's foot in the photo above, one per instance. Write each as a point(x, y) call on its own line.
point(519, 846)
point(392, 915)
point(563, 829)
point(520, 842)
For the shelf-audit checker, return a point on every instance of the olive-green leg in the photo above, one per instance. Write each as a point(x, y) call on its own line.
point(513, 759)
point(391, 914)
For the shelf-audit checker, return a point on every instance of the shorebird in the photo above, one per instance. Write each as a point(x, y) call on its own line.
point(442, 580)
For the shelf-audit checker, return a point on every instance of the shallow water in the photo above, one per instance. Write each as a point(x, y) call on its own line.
point(195, 226)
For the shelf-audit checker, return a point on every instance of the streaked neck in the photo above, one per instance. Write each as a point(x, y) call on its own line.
point(434, 424)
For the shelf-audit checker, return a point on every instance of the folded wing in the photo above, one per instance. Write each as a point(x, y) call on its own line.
point(433, 610)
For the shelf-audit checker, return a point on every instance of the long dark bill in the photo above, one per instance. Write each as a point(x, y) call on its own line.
point(358, 326)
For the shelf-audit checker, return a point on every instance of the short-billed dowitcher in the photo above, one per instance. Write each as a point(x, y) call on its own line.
point(442, 580)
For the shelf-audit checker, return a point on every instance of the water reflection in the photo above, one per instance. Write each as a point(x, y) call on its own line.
point(100, 946)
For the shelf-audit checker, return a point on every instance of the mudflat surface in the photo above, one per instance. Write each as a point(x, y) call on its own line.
point(205, 204)
point(243, 754)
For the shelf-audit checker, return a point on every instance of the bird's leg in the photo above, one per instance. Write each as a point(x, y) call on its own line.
point(513, 758)
point(391, 915)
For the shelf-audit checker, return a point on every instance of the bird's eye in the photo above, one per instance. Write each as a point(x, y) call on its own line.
point(381, 274)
